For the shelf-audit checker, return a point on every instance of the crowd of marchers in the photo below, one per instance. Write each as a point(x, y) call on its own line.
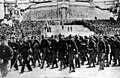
point(62, 52)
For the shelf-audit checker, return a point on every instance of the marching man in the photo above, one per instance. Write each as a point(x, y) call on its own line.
point(6, 54)
point(101, 54)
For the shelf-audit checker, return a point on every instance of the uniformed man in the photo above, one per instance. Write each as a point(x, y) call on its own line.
point(83, 50)
point(53, 47)
point(72, 48)
point(101, 54)
point(30, 40)
point(112, 47)
point(15, 48)
point(91, 52)
point(25, 55)
point(36, 50)
point(6, 54)
point(62, 47)
point(19, 56)
point(117, 50)
point(77, 58)
point(44, 48)
point(107, 50)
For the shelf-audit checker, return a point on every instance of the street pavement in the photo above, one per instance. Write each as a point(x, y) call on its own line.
point(76, 30)
point(83, 72)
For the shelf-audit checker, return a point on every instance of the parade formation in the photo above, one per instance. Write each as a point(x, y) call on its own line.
point(61, 52)
point(35, 37)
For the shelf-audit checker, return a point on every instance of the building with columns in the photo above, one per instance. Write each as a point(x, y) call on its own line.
point(66, 10)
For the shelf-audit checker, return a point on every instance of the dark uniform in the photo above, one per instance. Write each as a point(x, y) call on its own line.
point(54, 52)
point(36, 50)
point(117, 50)
point(91, 51)
point(83, 50)
point(6, 54)
point(72, 48)
point(25, 55)
point(31, 42)
point(62, 47)
point(112, 46)
point(15, 48)
point(19, 57)
point(101, 54)
point(44, 48)
point(107, 51)
point(77, 58)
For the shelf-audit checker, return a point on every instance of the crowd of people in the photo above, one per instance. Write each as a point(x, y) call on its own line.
point(62, 52)
point(24, 27)
point(103, 26)
point(29, 27)
point(59, 51)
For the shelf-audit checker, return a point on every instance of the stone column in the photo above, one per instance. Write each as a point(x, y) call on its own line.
point(63, 13)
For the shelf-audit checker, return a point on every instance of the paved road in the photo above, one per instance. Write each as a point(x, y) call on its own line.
point(76, 30)
point(83, 72)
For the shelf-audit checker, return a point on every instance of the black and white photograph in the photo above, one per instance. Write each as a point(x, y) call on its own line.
point(59, 38)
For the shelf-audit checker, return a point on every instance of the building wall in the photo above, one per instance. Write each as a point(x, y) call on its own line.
point(72, 10)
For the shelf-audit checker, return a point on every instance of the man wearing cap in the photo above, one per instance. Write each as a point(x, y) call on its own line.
point(107, 50)
point(45, 49)
point(112, 47)
point(117, 50)
point(101, 54)
point(72, 48)
point(77, 58)
point(30, 40)
point(91, 52)
point(14, 45)
point(25, 55)
point(83, 50)
point(6, 54)
point(62, 47)
point(36, 52)
point(53, 47)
